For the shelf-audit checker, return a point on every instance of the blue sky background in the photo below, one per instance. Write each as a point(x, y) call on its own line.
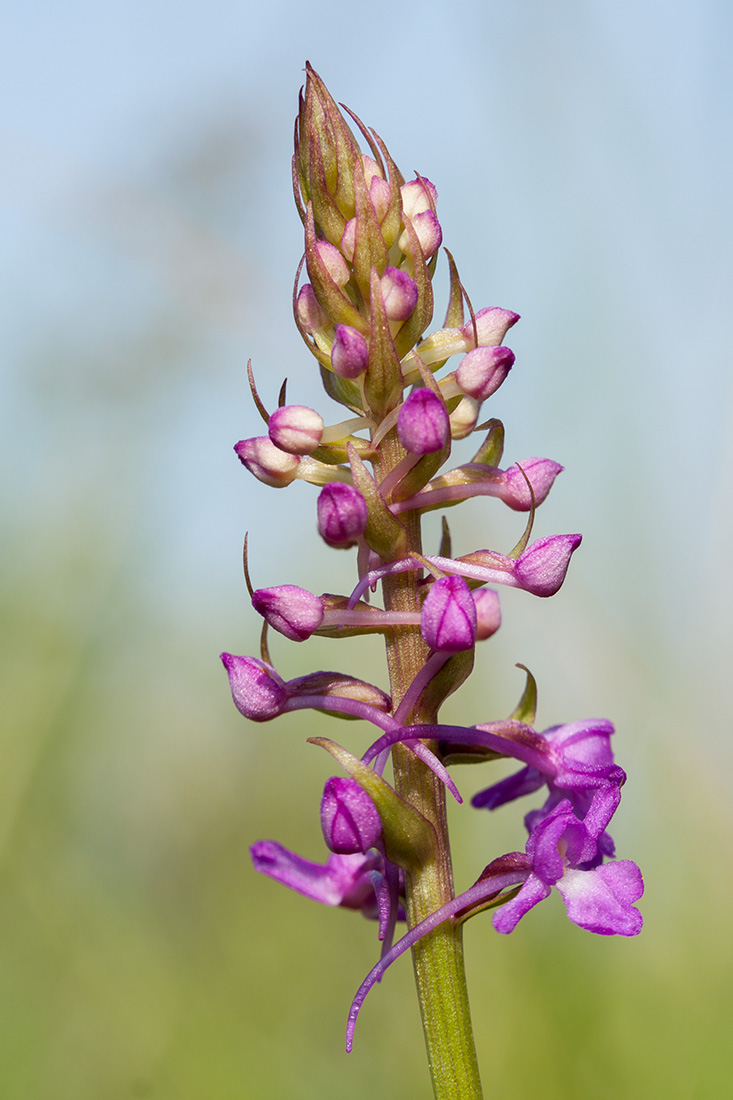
point(582, 156)
point(584, 174)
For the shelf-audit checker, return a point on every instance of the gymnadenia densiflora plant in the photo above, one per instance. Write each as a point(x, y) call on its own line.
point(363, 304)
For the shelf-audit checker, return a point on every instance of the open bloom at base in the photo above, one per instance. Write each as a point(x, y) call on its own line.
point(561, 851)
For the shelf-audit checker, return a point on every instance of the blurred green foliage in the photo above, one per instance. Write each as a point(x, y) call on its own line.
point(141, 956)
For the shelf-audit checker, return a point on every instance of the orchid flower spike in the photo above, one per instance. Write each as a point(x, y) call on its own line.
point(414, 389)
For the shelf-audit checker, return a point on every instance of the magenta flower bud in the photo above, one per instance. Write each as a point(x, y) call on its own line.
point(342, 514)
point(310, 314)
point(423, 423)
point(294, 611)
point(296, 429)
point(488, 612)
point(349, 353)
point(399, 294)
point(492, 325)
point(257, 690)
point(449, 619)
point(514, 490)
point(267, 462)
point(542, 567)
point(349, 819)
point(483, 370)
point(336, 265)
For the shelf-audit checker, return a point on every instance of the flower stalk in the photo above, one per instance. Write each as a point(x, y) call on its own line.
point(438, 963)
point(371, 244)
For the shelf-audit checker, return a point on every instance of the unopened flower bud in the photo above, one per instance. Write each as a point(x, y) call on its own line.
point(423, 424)
point(296, 429)
point(542, 567)
point(293, 611)
point(399, 294)
point(492, 325)
point(513, 488)
point(257, 690)
point(310, 314)
point(349, 353)
point(349, 819)
point(483, 370)
point(428, 231)
point(417, 196)
point(464, 417)
point(449, 618)
point(380, 192)
point(348, 240)
point(267, 462)
point(371, 169)
point(488, 612)
point(336, 265)
point(342, 514)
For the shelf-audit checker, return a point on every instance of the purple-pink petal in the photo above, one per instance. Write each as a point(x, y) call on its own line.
point(507, 916)
point(343, 880)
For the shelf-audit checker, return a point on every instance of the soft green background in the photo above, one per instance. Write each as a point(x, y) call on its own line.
point(582, 154)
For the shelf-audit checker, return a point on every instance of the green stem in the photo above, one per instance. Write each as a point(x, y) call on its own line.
point(438, 957)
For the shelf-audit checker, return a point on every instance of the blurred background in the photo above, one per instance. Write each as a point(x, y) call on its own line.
point(583, 159)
